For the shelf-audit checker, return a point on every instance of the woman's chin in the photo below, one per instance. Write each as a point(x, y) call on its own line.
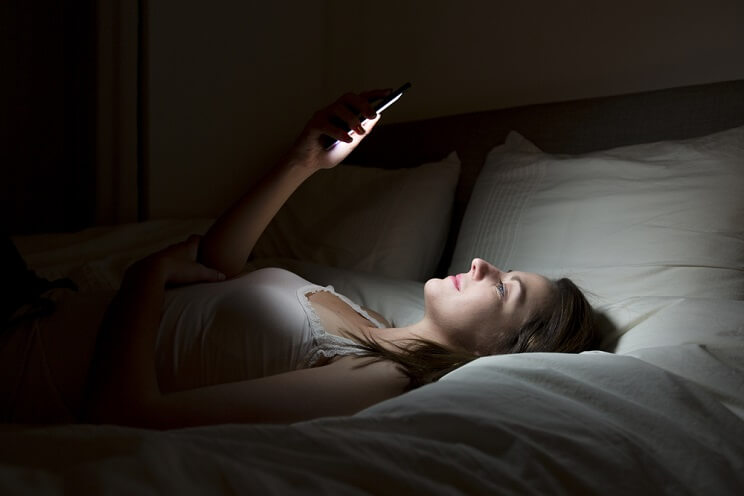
point(433, 284)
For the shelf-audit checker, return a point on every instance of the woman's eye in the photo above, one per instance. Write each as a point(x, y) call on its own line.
point(502, 290)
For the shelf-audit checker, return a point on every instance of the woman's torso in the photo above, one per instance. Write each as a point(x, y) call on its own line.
point(262, 323)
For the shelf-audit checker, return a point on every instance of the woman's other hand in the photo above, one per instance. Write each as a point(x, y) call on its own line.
point(176, 265)
point(335, 121)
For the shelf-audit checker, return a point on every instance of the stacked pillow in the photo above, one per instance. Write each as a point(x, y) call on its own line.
point(660, 221)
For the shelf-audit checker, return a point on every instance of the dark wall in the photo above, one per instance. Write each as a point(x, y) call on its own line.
point(48, 115)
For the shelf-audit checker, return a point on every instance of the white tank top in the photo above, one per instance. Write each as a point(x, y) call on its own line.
point(258, 324)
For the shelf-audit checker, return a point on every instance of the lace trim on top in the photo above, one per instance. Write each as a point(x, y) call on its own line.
point(326, 345)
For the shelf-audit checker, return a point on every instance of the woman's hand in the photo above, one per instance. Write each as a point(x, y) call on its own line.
point(335, 121)
point(176, 265)
point(231, 239)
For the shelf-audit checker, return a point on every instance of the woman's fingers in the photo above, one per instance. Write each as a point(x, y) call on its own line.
point(347, 120)
point(201, 273)
point(373, 95)
point(179, 262)
point(343, 116)
point(189, 272)
point(349, 111)
point(328, 124)
point(359, 104)
point(347, 114)
point(187, 248)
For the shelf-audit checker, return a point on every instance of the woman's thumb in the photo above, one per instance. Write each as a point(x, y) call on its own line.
point(213, 275)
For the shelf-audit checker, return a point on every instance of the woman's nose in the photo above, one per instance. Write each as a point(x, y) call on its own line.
point(481, 269)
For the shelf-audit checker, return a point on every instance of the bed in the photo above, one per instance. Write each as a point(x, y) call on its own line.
point(639, 198)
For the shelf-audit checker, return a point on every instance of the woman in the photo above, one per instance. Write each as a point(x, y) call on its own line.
point(346, 358)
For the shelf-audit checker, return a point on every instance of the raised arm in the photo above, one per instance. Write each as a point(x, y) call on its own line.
point(230, 240)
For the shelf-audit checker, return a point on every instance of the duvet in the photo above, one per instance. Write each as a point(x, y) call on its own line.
point(514, 424)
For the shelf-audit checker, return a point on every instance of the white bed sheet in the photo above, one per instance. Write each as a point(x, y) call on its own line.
point(514, 424)
point(96, 258)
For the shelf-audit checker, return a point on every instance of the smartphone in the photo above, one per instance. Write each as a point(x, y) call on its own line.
point(379, 106)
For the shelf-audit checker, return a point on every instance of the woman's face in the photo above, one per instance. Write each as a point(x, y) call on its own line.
point(478, 309)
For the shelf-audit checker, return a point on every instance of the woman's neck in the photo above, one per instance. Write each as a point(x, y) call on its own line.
point(392, 337)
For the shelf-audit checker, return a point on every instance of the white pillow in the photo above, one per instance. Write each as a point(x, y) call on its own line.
point(388, 222)
point(657, 219)
point(657, 321)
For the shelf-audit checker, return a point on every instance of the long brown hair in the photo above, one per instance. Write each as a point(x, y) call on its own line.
point(565, 325)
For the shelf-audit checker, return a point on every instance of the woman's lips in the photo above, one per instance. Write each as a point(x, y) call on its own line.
point(456, 281)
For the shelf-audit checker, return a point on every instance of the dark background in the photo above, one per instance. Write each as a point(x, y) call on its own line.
point(48, 117)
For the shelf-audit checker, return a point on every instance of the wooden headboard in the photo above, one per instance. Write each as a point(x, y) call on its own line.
point(567, 127)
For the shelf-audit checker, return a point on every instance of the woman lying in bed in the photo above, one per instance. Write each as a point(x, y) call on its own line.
point(319, 353)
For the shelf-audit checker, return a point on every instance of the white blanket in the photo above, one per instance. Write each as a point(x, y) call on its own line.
point(514, 424)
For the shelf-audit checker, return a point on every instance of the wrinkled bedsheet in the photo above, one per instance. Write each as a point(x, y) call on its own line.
point(514, 424)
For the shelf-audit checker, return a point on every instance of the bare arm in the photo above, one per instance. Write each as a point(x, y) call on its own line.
point(229, 242)
point(123, 386)
point(123, 363)
point(330, 390)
